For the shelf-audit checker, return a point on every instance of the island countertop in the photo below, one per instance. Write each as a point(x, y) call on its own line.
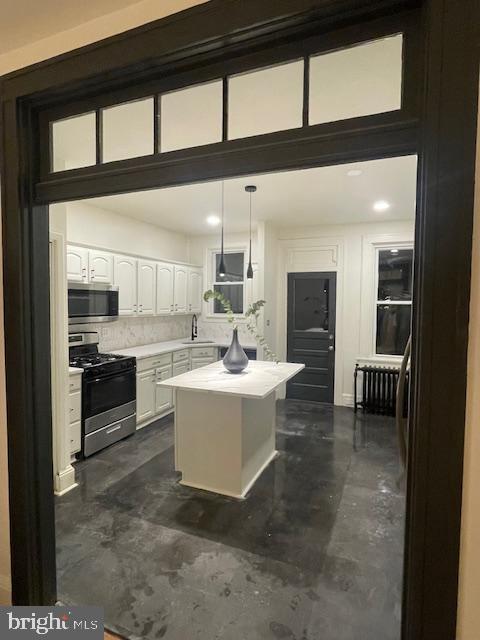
point(258, 380)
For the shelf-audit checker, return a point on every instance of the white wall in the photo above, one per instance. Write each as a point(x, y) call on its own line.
point(349, 251)
point(103, 229)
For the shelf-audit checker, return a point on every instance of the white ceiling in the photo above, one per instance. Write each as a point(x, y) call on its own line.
point(325, 195)
point(23, 21)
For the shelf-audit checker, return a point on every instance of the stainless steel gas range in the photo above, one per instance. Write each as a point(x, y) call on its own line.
point(109, 402)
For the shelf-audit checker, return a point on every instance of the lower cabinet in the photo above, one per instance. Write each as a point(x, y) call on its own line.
point(145, 396)
point(74, 432)
point(163, 396)
point(153, 400)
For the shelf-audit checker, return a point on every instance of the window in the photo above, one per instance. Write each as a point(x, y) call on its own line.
point(394, 300)
point(232, 284)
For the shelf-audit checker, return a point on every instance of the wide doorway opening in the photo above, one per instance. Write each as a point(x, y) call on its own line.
point(147, 525)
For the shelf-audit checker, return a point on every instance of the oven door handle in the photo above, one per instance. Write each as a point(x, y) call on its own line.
point(111, 375)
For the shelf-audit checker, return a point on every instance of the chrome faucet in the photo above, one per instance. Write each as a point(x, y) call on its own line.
point(194, 327)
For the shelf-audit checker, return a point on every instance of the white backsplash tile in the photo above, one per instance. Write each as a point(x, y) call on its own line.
point(134, 332)
point(222, 332)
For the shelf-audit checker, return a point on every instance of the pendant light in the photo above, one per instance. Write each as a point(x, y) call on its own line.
point(221, 267)
point(251, 188)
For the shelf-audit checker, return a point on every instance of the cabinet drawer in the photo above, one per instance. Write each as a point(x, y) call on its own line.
point(180, 368)
point(164, 373)
point(75, 404)
point(74, 382)
point(108, 435)
point(179, 356)
point(203, 352)
point(155, 361)
point(75, 432)
point(201, 362)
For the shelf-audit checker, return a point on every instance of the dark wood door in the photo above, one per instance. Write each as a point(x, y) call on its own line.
point(311, 334)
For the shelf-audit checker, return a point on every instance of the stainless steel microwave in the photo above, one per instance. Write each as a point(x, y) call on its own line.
point(92, 303)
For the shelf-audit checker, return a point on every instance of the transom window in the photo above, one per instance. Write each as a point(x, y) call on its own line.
point(318, 88)
point(232, 284)
point(394, 300)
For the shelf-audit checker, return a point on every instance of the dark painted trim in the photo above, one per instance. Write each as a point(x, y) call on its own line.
point(216, 33)
point(213, 26)
point(357, 139)
point(27, 354)
point(440, 317)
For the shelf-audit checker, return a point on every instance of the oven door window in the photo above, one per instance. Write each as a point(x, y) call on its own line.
point(88, 303)
point(102, 394)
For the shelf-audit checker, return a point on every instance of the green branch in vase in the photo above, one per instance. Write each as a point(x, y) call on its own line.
point(252, 315)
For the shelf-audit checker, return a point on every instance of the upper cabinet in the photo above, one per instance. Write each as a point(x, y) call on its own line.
point(89, 265)
point(77, 264)
point(100, 265)
point(180, 289)
point(194, 290)
point(125, 272)
point(165, 283)
point(146, 287)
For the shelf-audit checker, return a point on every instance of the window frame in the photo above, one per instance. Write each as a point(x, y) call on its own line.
point(211, 261)
point(388, 247)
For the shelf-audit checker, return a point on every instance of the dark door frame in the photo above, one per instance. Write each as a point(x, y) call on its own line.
point(445, 141)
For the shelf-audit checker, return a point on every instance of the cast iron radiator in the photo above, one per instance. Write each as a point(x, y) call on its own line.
point(378, 389)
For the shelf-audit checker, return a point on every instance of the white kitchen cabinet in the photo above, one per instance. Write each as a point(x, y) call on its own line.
point(180, 289)
point(201, 362)
point(146, 388)
point(165, 283)
point(194, 290)
point(100, 266)
point(163, 396)
point(125, 277)
point(75, 412)
point(77, 264)
point(180, 367)
point(146, 272)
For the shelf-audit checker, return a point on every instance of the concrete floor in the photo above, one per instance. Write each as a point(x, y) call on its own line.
point(314, 553)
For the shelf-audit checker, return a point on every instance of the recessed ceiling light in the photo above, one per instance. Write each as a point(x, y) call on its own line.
point(393, 250)
point(213, 221)
point(354, 172)
point(381, 205)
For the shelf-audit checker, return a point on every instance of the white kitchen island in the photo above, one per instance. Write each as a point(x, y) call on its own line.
point(225, 424)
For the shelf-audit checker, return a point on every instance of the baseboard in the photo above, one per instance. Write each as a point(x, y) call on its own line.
point(65, 481)
point(348, 399)
point(5, 591)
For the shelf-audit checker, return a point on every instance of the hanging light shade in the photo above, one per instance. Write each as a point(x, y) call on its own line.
point(221, 267)
point(251, 188)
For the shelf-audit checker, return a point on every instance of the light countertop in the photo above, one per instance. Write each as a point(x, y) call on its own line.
point(258, 380)
point(72, 370)
point(158, 348)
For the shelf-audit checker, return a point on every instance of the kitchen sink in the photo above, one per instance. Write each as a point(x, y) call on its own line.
point(198, 342)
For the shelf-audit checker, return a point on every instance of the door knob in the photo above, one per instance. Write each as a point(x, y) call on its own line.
point(331, 348)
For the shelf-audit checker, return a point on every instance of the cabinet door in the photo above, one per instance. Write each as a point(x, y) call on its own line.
point(163, 396)
point(194, 290)
point(77, 264)
point(100, 266)
point(180, 289)
point(180, 367)
point(165, 277)
point(145, 395)
point(146, 287)
point(125, 277)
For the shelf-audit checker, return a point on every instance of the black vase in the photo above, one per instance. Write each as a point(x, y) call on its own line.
point(235, 359)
